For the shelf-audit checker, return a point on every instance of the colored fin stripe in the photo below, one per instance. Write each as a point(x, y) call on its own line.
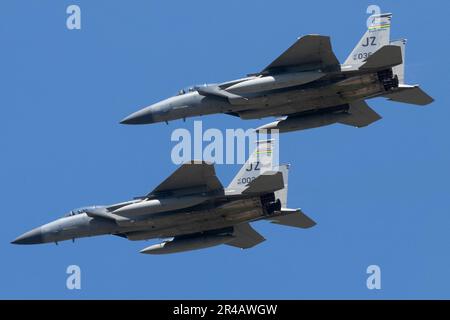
point(380, 27)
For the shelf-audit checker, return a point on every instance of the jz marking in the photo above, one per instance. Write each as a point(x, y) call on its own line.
point(253, 168)
point(370, 41)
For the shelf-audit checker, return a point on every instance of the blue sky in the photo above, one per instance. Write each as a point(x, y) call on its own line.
point(380, 195)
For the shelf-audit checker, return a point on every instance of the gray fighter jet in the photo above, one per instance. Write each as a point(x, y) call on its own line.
point(192, 207)
point(306, 86)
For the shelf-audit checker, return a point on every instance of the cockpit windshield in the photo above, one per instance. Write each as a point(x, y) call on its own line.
point(81, 210)
point(186, 90)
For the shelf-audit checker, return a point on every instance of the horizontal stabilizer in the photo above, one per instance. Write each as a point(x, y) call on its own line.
point(360, 115)
point(191, 174)
point(386, 57)
point(409, 94)
point(293, 218)
point(245, 237)
point(266, 182)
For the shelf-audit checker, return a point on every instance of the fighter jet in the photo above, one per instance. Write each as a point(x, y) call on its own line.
point(191, 207)
point(305, 87)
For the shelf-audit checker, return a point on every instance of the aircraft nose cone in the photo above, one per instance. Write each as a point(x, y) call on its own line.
point(143, 116)
point(31, 237)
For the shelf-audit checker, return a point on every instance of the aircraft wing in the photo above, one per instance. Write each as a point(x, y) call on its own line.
point(191, 174)
point(245, 237)
point(314, 50)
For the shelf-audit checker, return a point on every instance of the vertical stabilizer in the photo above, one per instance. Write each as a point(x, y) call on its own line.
point(399, 70)
point(283, 193)
point(377, 35)
point(260, 161)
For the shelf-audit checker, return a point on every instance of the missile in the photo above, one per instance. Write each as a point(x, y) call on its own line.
point(187, 244)
point(273, 82)
point(159, 205)
point(304, 122)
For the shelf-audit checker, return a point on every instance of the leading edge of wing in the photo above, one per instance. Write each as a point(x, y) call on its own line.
point(191, 174)
point(314, 50)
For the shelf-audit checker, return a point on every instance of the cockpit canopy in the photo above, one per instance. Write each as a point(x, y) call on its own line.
point(186, 90)
point(81, 210)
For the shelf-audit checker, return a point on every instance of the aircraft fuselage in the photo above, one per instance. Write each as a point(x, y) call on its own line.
point(218, 213)
point(333, 89)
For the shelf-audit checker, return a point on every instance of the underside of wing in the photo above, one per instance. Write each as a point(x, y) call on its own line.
point(357, 114)
point(309, 50)
point(245, 237)
point(193, 174)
